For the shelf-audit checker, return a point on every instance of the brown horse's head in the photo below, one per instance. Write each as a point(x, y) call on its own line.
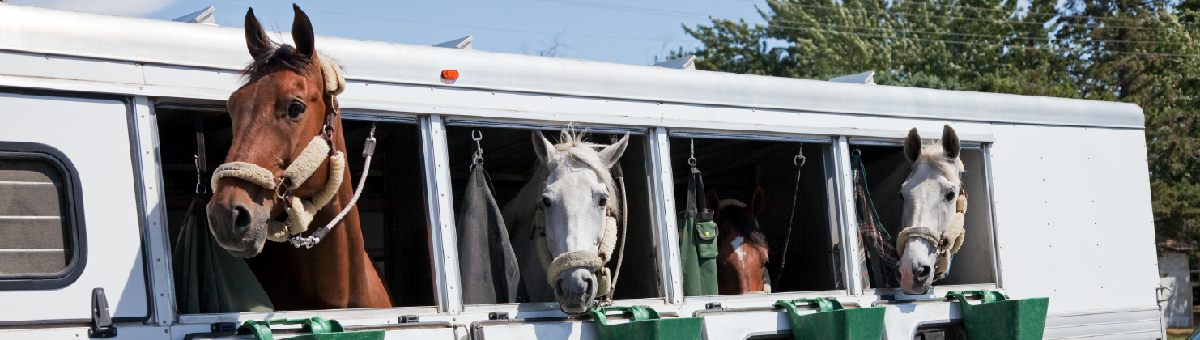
point(741, 247)
point(275, 115)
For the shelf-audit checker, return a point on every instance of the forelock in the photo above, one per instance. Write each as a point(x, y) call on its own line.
point(934, 155)
point(284, 56)
point(574, 144)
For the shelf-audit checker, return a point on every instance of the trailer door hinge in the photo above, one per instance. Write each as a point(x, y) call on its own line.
point(102, 326)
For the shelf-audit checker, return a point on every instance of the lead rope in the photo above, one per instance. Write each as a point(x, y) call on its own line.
point(799, 162)
point(620, 175)
point(309, 241)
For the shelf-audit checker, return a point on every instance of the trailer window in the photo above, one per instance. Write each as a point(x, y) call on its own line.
point(37, 223)
point(736, 170)
point(886, 169)
point(391, 210)
point(510, 160)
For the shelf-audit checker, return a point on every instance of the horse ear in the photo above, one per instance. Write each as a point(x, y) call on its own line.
point(302, 32)
point(950, 142)
point(758, 202)
point(912, 145)
point(612, 154)
point(711, 201)
point(256, 39)
point(542, 147)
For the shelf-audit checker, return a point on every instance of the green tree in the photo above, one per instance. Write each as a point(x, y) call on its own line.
point(1135, 51)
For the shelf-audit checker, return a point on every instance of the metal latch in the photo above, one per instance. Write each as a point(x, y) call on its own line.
point(409, 319)
point(102, 326)
point(224, 327)
point(498, 316)
point(712, 305)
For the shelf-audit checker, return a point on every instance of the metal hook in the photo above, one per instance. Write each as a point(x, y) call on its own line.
point(200, 188)
point(857, 152)
point(477, 136)
point(799, 159)
point(692, 159)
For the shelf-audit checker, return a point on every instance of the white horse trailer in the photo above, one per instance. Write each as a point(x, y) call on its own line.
point(99, 107)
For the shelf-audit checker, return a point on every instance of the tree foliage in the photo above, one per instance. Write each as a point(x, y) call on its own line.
point(1134, 51)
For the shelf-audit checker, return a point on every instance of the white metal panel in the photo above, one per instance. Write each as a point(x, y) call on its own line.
point(439, 198)
point(94, 135)
point(40, 30)
point(1075, 207)
point(1133, 323)
point(664, 194)
point(847, 223)
point(154, 223)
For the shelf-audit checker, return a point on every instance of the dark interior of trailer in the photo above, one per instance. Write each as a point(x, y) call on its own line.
point(735, 167)
point(887, 168)
point(392, 208)
point(510, 160)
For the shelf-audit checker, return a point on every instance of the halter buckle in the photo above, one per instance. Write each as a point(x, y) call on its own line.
point(306, 241)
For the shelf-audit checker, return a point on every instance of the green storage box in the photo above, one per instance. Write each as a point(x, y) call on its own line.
point(832, 321)
point(999, 318)
point(320, 329)
point(646, 325)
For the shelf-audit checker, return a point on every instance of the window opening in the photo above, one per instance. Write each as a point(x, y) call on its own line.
point(391, 210)
point(751, 183)
point(886, 169)
point(510, 160)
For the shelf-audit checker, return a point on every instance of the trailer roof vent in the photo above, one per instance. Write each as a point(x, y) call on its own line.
point(204, 16)
point(861, 78)
point(687, 62)
point(463, 43)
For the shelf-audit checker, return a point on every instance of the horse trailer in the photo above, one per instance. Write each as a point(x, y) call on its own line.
point(110, 128)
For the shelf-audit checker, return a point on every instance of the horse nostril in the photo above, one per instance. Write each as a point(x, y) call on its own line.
point(590, 282)
point(923, 272)
point(558, 287)
point(241, 218)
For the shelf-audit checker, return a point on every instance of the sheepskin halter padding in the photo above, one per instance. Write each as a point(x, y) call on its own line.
point(300, 210)
point(580, 258)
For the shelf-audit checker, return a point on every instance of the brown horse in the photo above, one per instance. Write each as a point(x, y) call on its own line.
point(741, 246)
point(276, 114)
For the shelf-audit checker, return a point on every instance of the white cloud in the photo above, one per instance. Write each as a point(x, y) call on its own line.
point(115, 7)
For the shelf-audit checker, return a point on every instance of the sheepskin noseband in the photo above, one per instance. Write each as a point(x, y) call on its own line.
point(948, 243)
point(580, 258)
point(300, 210)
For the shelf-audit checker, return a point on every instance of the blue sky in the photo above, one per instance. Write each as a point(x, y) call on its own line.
point(621, 31)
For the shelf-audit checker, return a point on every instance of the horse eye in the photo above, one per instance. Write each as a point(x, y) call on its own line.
point(545, 201)
point(950, 196)
point(603, 201)
point(295, 109)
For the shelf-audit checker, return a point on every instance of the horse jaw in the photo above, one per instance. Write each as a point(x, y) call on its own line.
point(916, 267)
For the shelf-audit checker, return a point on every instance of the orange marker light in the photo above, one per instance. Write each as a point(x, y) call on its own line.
point(450, 74)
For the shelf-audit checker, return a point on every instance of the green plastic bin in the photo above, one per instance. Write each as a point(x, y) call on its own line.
point(646, 325)
point(320, 328)
point(832, 321)
point(999, 318)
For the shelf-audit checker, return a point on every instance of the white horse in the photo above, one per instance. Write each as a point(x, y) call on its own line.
point(932, 225)
point(563, 221)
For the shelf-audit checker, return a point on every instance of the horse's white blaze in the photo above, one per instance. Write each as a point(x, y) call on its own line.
point(737, 248)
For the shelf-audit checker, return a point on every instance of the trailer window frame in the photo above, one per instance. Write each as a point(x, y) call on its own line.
point(73, 212)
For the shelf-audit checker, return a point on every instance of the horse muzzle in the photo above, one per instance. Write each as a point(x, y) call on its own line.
point(575, 289)
point(239, 228)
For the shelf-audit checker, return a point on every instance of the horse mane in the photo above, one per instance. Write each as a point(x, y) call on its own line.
point(281, 56)
point(934, 155)
point(734, 211)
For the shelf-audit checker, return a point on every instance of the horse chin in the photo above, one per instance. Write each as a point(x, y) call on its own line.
point(574, 290)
